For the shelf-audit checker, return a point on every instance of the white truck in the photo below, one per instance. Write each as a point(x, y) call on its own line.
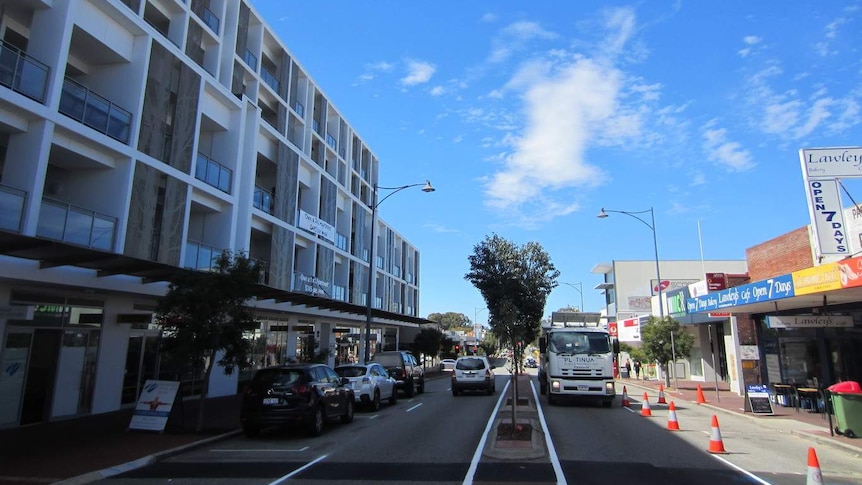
point(577, 361)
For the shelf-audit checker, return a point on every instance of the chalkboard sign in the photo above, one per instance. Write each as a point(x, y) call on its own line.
point(758, 399)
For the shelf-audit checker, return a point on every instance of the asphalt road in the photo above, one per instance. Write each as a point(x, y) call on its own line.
point(437, 438)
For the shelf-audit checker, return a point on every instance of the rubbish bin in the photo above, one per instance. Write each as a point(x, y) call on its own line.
point(847, 405)
point(624, 373)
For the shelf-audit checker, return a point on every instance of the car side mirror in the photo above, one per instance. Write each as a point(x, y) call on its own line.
point(345, 381)
point(543, 345)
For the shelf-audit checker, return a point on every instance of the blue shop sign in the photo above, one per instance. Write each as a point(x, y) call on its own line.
point(776, 288)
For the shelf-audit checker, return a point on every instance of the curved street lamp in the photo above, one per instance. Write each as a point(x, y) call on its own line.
point(580, 288)
point(372, 264)
point(604, 214)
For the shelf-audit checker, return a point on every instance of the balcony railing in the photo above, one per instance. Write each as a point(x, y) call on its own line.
point(81, 104)
point(299, 108)
point(264, 270)
point(11, 208)
point(269, 78)
point(250, 59)
point(64, 222)
point(330, 140)
point(213, 173)
point(341, 241)
point(210, 19)
point(339, 293)
point(263, 200)
point(200, 256)
point(22, 73)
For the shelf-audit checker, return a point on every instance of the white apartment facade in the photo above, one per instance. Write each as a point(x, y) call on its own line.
point(631, 291)
point(139, 138)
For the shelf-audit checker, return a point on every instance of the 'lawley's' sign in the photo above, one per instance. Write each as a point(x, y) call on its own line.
point(809, 321)
point(767, 290)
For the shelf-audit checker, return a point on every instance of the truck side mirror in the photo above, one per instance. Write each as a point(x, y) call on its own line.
point(543, 345)
point(616, 346)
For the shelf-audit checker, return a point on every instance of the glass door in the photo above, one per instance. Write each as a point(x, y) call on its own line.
point(142, 363)
point(13, 374)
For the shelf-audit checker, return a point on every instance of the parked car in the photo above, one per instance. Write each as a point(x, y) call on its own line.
point(447, 365)
point(402, 365)
point(531, 363)
point(472, 373)
point(371, 383)
point(296, 394)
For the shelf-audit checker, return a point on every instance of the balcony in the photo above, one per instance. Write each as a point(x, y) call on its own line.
point(11, 208)
point(209, 18)
point(81, 104)
point(213, 173)
point(75, 225)
point(250, 59)
point(330, 140)
point(22, 73)
point(269, 78)
point(263, 200)
point(339, 292)
point(200, 256)
point(264, 270)
point(299, 108)
point(341, 241)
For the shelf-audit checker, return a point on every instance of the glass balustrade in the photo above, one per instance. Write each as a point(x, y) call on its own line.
point(81, 104)
point(250, 59)
point(213, 173)
point(263, 200)
point(269, 78)
point(11, 208)
point(200, 256)
point(299, 108)
point(75, 225)
point(22, 73)
point(330, 140)
point(210, 19)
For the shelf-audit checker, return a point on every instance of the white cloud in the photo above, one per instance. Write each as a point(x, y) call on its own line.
point(418, 72)
point(824, 47)
point(437, 91)
point(750, 41)
point(372, 69)
point(727, 153)
point(620, 23)
point(439, 228)
point(489, 17)
point(515, 37)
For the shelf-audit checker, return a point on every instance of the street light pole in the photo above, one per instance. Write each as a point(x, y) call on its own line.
point(580, 288)
point(603, 214)
point(372, 264)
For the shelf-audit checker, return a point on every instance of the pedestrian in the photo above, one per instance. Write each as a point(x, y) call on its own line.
point(638, 369)
point(628, 368)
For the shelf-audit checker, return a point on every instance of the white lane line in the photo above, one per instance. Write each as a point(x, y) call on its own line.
point(414, 407)
point(742, 470)
point(303, 467)
point(477, 455)
point(552, 452)
point(256, 450)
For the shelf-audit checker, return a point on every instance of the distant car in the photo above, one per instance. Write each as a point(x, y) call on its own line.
point(371, 383)
point(447, 365)
point(402, 365)
point(531, 363)
point(472, 373)
point(296, 394)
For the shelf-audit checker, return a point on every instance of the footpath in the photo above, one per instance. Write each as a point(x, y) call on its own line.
point(87, 449)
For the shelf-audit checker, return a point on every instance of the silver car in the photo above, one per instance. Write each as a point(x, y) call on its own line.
point(473, 373)
point(370, 382)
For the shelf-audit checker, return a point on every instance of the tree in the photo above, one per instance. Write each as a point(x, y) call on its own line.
point(450, 320)
point(204, 315)
point(515, 282)
point(428, 342)
point(656, 338)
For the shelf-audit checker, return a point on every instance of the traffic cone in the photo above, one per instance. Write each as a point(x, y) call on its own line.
point(672, 423)
point(661, 399)
point(715, 443)
point(645, 410)
point(626, 402)
point(814, 475)
point(700, 398)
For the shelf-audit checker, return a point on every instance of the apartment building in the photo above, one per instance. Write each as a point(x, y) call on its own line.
point(139, 138)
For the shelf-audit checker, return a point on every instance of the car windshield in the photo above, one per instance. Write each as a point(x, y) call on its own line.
point(351, 371)
point(470, 364)
point(578, 343)
point(277, 377)
point(388, 360)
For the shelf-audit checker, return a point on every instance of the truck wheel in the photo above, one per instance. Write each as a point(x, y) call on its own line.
point(410, 388)
point(543, 387)
point(607, 404)
point(552, 399)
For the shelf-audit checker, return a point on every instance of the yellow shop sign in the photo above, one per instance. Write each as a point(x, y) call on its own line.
point(825, 277)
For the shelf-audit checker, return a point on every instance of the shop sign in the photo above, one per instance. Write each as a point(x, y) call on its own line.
point(832, 162)
point(850, 272)
point(749, 352)
point(640, 303)
point(809, 321)
point(776, 288)
point(316, 226)
point(154, 405)
point(825, 277)
point(669, 285)
point(716, 281)
point(676, 302)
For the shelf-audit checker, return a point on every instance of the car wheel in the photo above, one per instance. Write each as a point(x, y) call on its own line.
point(251, 430)
point(410, 388)
point(393, 399)
point(421, 385)
point(315, 426)
point(375, 401)
point(347, 417)
point(607, 404)
point(456, 392)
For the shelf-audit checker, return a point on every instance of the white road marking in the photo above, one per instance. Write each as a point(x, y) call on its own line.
point(741, 470)
point(414, 407)
point(555, 461)
point(303, 467)
point(477, 455)
point(257, 450)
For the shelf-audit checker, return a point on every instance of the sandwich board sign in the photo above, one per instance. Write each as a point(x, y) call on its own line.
point(758, 399)
point(154, 405)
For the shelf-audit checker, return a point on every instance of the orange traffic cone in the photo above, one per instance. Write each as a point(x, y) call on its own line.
point(645, 410)
point(700, 398)
point(672, 423)
point(626, 402)
point(661, 399)
point(814, 475)
point(715, 443)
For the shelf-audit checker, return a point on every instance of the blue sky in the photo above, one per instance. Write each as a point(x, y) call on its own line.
point(529, 117)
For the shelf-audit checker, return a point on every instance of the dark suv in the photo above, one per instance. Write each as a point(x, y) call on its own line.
point(402, 365)
point(304, 394)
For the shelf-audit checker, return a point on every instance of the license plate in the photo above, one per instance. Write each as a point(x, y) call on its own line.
point(583, 388)
point(270, 401)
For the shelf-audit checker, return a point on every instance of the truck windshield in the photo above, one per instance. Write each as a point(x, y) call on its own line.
point(578, 343)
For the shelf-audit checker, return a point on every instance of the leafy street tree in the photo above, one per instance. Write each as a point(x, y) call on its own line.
point(450, 320)
point(447, 348)
point(427, 342)
point(656, 338)
point(515, 282)
point(204, 316)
